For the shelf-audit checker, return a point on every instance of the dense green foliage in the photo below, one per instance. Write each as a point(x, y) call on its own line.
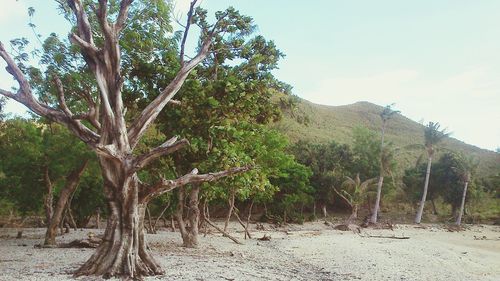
point(446, 184)
point(28, 150)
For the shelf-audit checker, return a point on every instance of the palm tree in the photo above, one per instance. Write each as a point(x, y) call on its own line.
point(433, 135)
point(353, 194)
point(386, 114)
point(466, 167)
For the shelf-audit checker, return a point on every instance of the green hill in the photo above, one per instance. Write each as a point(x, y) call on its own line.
point(325, 123)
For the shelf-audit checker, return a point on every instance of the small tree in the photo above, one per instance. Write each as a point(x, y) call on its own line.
point(353, 194)
point(465, 167)
point(386, 114)
point(433, 135)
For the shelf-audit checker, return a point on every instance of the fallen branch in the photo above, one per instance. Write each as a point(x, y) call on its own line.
point(223, 232)
point(242, 224)
point(382, 236)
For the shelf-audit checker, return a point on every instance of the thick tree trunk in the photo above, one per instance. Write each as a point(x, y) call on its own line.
point(462, 204)
point(71, 218)
point(418, 218)
point(71, 184)
point(325, 213)
point(374, 216)
point(189, 234)
point(123, 252)
point(231, 207)
point(194, 216)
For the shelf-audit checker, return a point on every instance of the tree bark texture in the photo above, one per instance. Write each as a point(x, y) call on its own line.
point(189, 233)
point(420, 211)
point(70, 186)
point(124, 250)
point(49, 197)
point(462, 204)
point(374, 216)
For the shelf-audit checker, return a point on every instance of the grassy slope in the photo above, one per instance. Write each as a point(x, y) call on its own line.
point(336, 123)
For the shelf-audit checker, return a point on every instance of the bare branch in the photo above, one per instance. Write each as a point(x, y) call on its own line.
point(88, 48)
point(102, 17)
point(149, 114)
point(186, 30)
point(60, 97)
point(167, 147)
point(83, 24)
point(167, 185)
point(108, 151)
point(122, 15)
point(25, 96)
point(93, 114)
point(8, 94)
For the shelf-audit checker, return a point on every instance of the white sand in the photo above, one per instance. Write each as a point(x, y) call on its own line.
point(310, 252)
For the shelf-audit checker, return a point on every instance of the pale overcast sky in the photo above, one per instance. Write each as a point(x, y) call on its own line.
point(438, 60)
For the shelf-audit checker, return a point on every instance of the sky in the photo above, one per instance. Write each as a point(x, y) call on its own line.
point(437, 60)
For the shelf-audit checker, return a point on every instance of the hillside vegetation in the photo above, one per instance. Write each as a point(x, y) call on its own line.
point(321, 123)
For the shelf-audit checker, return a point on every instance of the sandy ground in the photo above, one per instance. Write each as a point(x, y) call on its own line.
point(312, 251)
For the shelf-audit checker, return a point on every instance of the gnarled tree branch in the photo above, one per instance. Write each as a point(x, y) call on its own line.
point(149, 114)
point(186, 31)
point(167, 147)
point(25, 96)
point(167, 185)
point(122, 15)
point(61, 98)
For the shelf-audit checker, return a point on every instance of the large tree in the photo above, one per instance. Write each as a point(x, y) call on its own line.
point(433, 135)
point(104, 127)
